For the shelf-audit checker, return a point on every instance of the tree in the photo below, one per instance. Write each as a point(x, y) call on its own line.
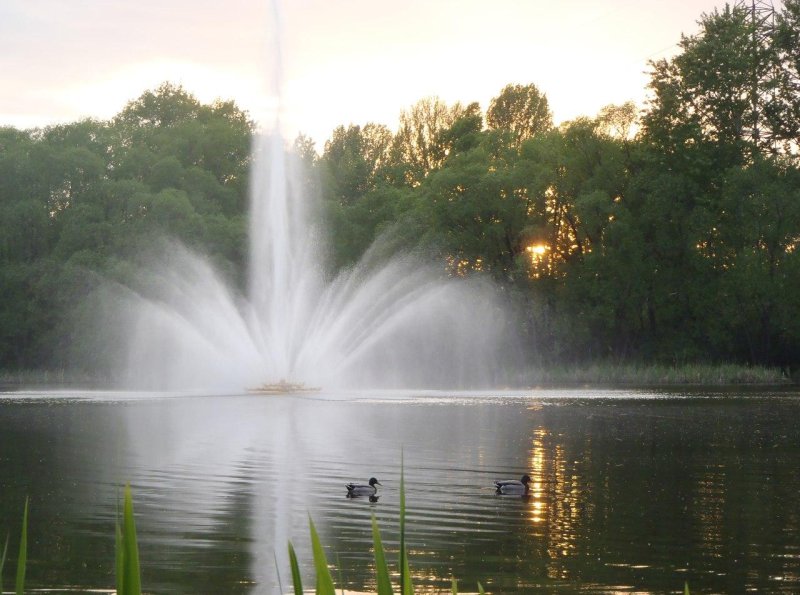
point(522, 111)
point(360, 197)
point(473, 211)
point(618, 121)
point(574, 175)
point(352, 160)
point(165, 107)
point(754, 244)
point(87, 196)
point(417, 146)
point(731, 86)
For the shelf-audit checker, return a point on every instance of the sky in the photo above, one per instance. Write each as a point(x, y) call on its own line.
point(331, 62)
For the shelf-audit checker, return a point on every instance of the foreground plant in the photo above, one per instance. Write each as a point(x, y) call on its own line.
point(127, 550)
point(383, 582)
point(128, 579)
point(22, 558)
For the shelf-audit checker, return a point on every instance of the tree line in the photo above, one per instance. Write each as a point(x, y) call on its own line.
point(667, 234)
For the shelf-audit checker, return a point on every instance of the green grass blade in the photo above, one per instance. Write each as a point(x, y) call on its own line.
point(131, 578)
point(339, 573)
point(406, 587)
point(277, 571)
point(324, 580)
point(23, 552)
point(480, 589)
point(297, 581)
point(3, 563)
point(454, 587)
point(402, 560)
point(119, 558)
point(686, 588)
point(381, 570)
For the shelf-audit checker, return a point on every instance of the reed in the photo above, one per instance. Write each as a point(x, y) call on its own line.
point(128, 579)
point(22, 559)
point(3, 563)
point(323, 573)
point(653, 374)
point(384, 583)
point(128, 576)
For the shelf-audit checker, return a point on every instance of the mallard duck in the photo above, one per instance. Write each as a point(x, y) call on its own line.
point(513, 486)
point(357, 489)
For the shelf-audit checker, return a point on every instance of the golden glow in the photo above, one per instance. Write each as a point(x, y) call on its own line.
point(556, 498)
point(461, 267)
point(710, 497)
point(537, 250)
point(540, 261)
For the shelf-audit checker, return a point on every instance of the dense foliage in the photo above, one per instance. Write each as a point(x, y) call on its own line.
point(670, 235)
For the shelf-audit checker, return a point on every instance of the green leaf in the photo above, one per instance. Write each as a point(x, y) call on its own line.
point(480, 589)
point(454, 587)
point(384, 583)
point(297, 581)
point(23, 552)
point(406, 588)
point(3, 563)
point(339, 572)
point(324, 580)
point(119, 558)
point(278, 570)
point(686, 588)
point(131, 578)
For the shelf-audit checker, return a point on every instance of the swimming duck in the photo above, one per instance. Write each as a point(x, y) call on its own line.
point(357, 489)
point(513, 486)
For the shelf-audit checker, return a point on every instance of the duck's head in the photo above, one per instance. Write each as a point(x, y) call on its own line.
point(373, 482)
point(525, 479)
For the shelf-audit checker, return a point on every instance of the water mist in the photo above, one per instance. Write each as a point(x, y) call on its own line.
point(387, 322)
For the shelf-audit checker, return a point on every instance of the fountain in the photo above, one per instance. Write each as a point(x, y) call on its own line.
point(387, 322)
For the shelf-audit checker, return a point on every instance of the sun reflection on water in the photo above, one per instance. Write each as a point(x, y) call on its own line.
point(556, 499)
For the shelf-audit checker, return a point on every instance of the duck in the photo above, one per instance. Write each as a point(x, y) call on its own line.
point(357, 489)
point(513, 486)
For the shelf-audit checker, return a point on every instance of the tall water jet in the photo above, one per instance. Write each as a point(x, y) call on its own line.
point(388, 322)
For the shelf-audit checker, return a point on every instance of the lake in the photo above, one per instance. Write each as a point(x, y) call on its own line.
point(633, 490)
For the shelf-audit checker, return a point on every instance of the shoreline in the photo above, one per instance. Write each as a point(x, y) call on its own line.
point(601, 375)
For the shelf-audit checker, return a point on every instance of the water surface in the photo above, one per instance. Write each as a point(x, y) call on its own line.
point(633, 491)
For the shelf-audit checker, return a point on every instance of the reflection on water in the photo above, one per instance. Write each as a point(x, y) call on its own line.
point(629, 492)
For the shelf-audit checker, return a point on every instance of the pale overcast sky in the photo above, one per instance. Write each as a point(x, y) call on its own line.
point(342, 61)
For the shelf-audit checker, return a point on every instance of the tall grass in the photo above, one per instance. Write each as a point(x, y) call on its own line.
point(22, 557)
point(127, 550)
point(3, 563)
point(384, 583)
point(324, 578)
point(644, 374)
point(128, 579)
point(58, 377)
point(324, 584)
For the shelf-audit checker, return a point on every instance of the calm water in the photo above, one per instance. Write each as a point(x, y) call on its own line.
point(633, 491)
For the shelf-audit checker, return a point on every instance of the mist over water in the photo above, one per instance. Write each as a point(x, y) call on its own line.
point(391, 321)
